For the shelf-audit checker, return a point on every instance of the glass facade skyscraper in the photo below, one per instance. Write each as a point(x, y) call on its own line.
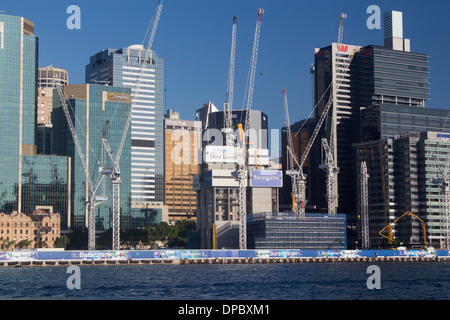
point(121, 68)
point(46, 184)
point(27, 181)
point(18, 65)
point(384, 76)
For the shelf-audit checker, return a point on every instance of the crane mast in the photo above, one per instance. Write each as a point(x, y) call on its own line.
point(243, 156)
point(364, 177)
point(115, 171)
point(228, 125)
point(331, 164)
point(298, 206)
point(332, 173)
point(92, 200)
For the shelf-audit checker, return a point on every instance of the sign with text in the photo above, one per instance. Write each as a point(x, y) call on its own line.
point(266, 178)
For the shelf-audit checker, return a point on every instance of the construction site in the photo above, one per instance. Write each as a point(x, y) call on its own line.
point(239, 189)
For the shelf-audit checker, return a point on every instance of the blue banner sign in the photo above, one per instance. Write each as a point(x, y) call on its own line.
point(266, 178)
point(35, 255)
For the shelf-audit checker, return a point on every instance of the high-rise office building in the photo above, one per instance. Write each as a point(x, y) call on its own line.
point(182, 141)
point(122, 68)
point(403, 176)
point(389, 120)
point(384, 76)
point(18, 62)
point(332, 67)
point(377, 76)
point(27, 181)
point(398, 137)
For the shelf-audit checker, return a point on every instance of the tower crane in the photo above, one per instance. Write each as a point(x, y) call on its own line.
point(243, 156)
point(330, 163)
point(364, 176)
point(115, 158)
point(293, 169)
point(93, 199)
point(444, 183)
point(228, 125)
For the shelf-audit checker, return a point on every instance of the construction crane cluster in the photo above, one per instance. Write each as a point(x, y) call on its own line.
point(298, 177)
point(112, 172)
point(93, 200)
point(239, 142)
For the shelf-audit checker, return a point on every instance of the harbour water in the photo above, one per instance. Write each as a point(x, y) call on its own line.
point(322, 281)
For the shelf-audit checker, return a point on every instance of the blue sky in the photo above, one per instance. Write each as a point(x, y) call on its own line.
point(194, 38)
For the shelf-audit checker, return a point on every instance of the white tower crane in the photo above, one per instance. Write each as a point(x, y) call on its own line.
point(332, 168)
point(332, 171)
point(329, 165)
point(364, 177)
point(230, 137)
point(293, 169)
point(242, 172)
point(93, 200)
point(115, 170)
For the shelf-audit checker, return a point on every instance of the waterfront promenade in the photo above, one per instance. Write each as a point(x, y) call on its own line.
point(46, 258)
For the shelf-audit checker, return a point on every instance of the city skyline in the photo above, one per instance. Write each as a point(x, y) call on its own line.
point(195, 41)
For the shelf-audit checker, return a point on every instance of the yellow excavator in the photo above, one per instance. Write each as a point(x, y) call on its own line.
point(390, 225)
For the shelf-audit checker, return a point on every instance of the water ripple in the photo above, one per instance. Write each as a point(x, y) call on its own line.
point(238, 282)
